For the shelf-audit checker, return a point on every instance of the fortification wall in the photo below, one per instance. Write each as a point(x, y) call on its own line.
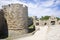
point(16, 16)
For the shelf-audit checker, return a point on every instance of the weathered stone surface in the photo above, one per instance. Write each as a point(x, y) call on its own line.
point(16, 16)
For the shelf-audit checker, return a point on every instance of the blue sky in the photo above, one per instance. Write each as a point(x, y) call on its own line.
point(38, 7)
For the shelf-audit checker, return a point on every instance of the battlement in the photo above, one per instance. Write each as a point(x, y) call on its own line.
point(16, 5)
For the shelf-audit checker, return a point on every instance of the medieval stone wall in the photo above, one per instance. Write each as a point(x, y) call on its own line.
point(16, 16)
point(51, 21)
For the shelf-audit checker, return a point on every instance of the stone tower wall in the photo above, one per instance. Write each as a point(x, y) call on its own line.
point(16, 16)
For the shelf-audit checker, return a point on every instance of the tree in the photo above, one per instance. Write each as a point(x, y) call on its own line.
point(58, 18)
point(44, 18)
point(47, 17)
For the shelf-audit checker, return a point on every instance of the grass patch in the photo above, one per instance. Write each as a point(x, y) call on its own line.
point(31, 28)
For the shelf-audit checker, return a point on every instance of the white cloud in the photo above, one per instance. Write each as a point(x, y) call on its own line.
point(47, 3)
point(42, 9)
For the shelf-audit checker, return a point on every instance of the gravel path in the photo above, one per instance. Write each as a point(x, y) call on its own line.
point(39, 35)
point(53, 33)
point(45, 33)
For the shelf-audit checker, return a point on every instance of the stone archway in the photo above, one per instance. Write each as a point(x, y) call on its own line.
point(52, 22)
point(37, 24)
point(45, 23)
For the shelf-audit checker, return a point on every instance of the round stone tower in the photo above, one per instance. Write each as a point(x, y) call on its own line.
point(17, 17)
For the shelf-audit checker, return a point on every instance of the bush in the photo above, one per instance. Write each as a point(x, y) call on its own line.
point(31, 28)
